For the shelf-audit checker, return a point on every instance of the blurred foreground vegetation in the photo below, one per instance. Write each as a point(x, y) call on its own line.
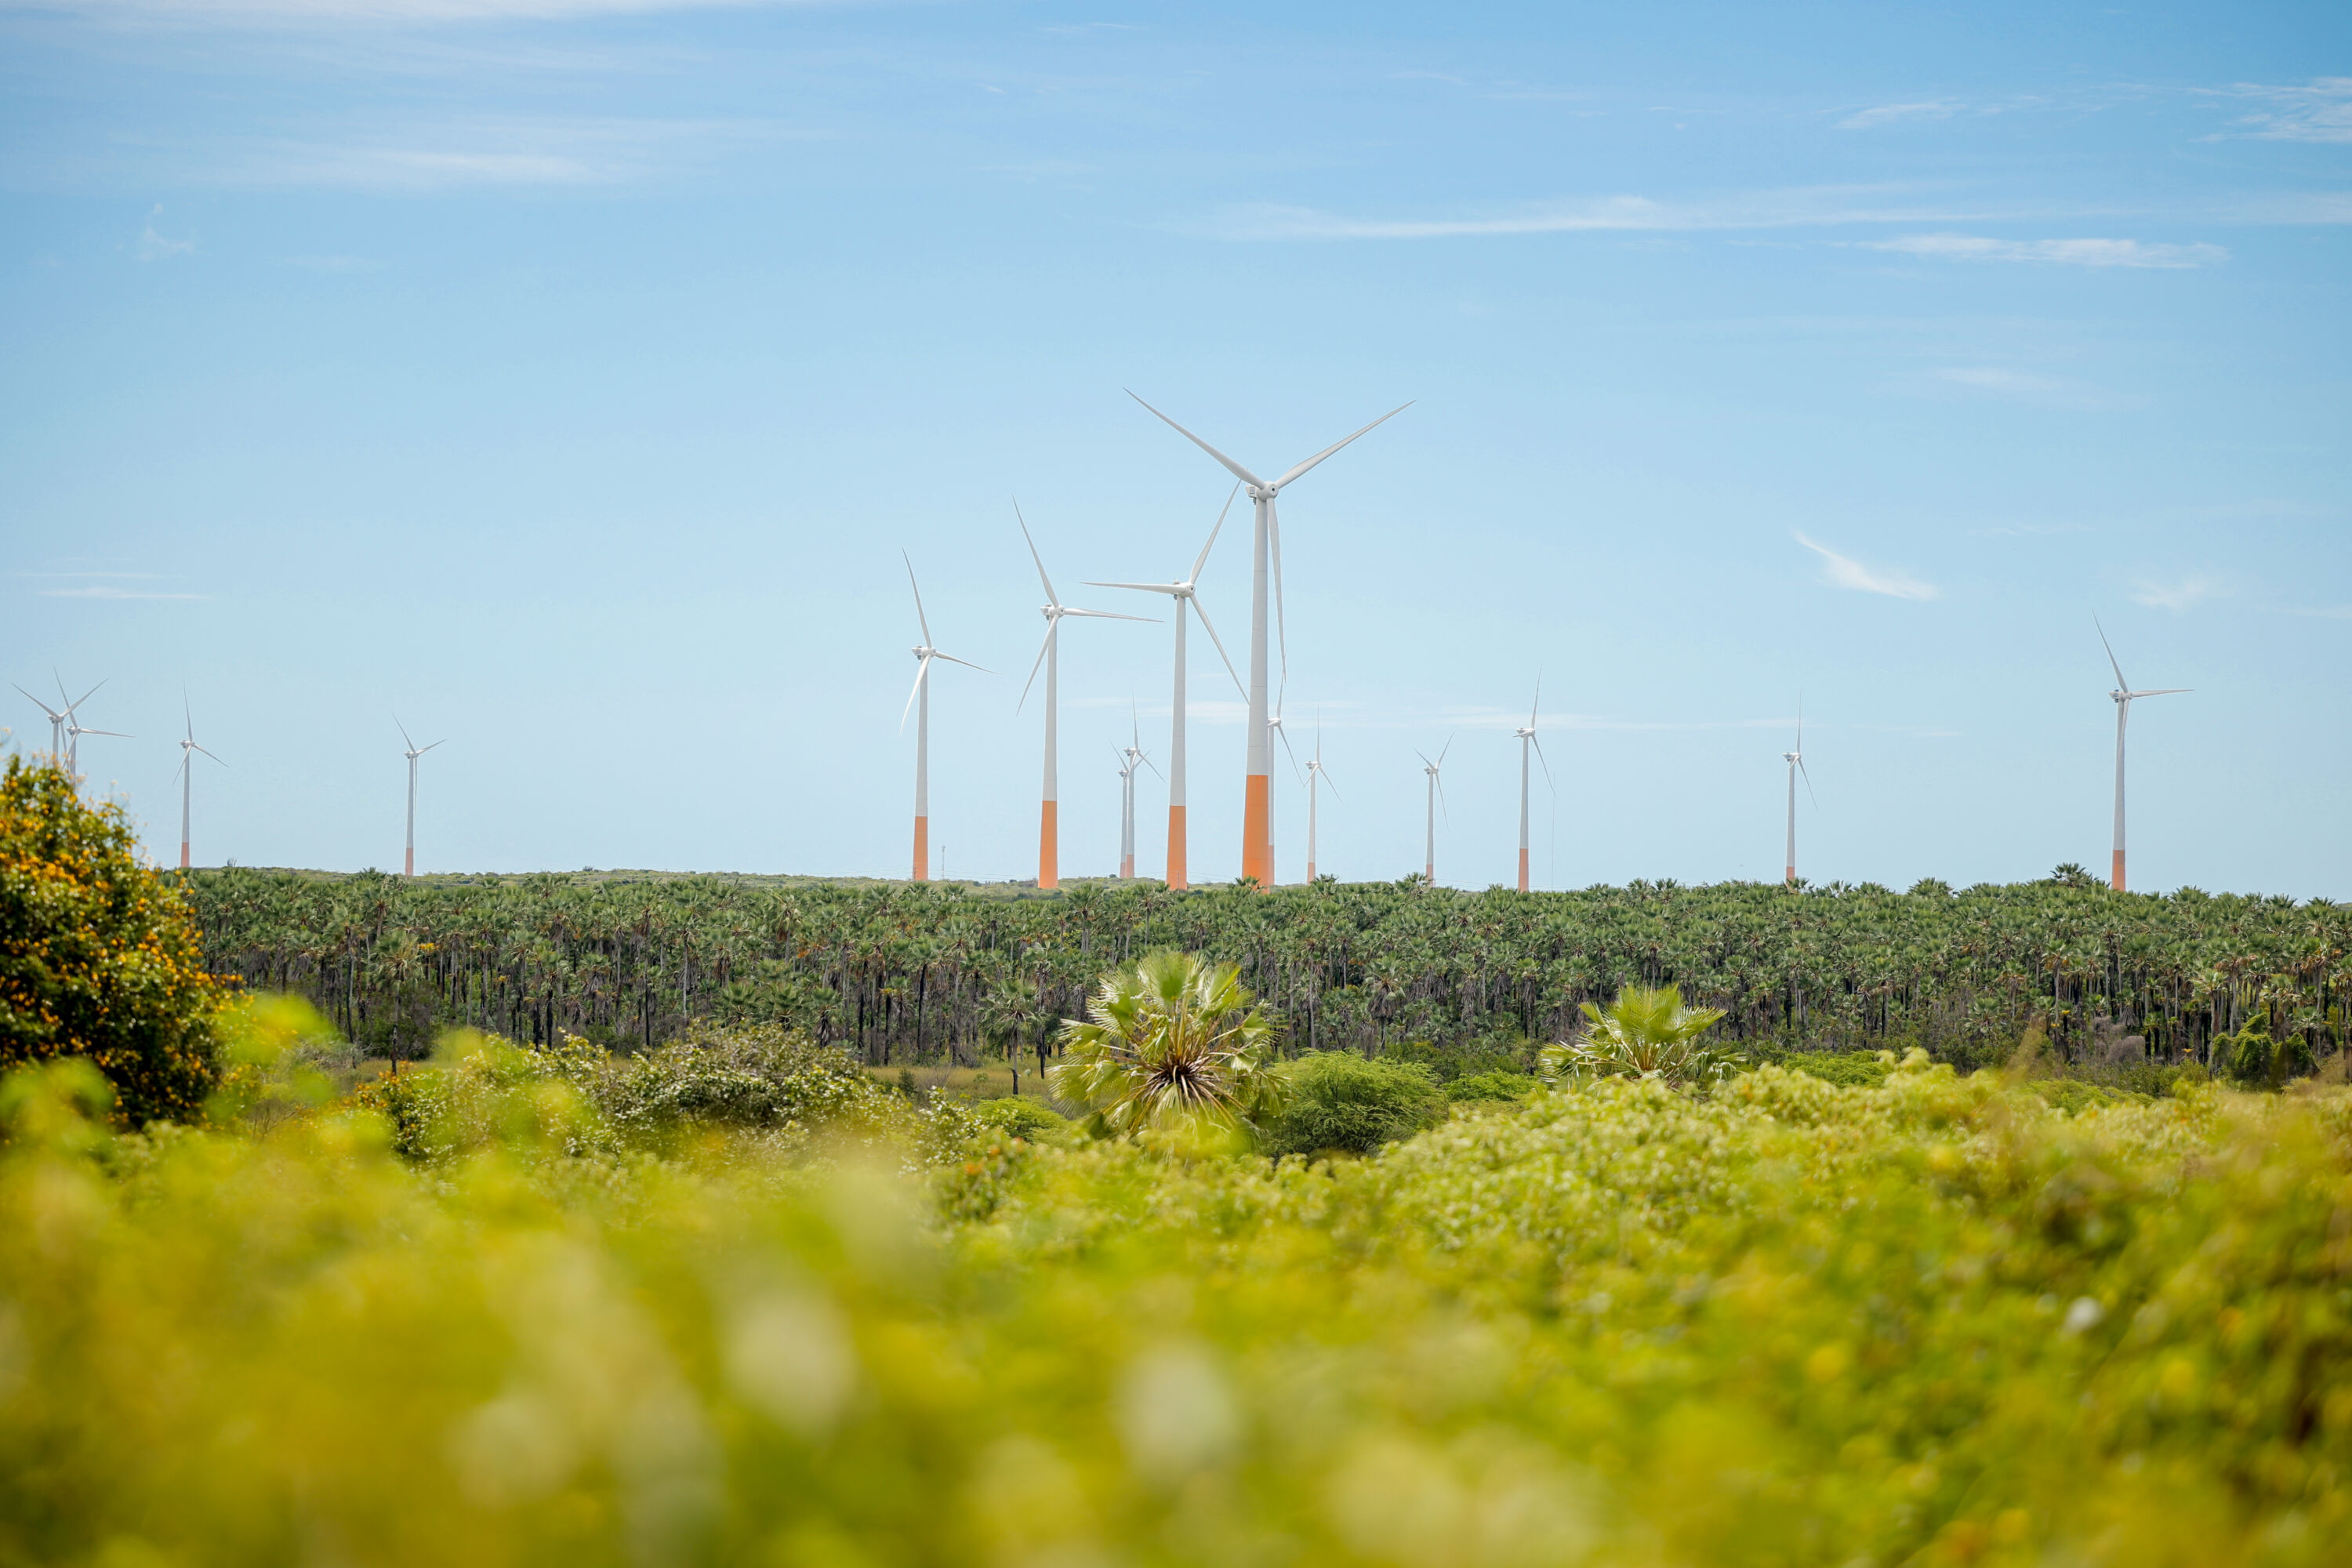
point(736, 1301)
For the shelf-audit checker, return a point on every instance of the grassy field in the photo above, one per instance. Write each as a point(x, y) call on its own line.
point(1929, 1320)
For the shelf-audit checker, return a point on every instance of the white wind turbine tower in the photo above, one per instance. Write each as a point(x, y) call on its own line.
point(1257, 796)
point(1796, 761)
point(188, 750)
point(1049, 654)
point(1184, 593)
point(1133, 759)
point(1526, 734)
point(408, 854)
point(2124, 696)
point(1317, 774)
point(919, 702)
point(1436, 795)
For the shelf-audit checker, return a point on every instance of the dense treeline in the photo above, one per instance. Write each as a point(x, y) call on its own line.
point(901, 973)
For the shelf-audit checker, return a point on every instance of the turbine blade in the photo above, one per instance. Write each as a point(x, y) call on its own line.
point(2121, 684)
point(1286, 746)
point(1109, 615)
point(196, 747)
point(1153, 766)
point(1544, 762)
point(1335, 445)
point(965, 662)
point(116, 733)
point(1231, 466)
point(404, 739)
point(1444, 810)
point(921, 619)
point(1050, 597)
point(1035, 665)
point(2167, 691)
point(1218, 643)
point(1175, 588)
point(1537, 705)
point(1449, 746)
point(1326, 779)
point(1808, 784)
point(38, 703)
point(922, 668)
point(439, 742)
point(83, 698)
point(1201, 563)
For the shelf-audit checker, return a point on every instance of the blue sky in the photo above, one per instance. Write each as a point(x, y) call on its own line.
point(567, 376)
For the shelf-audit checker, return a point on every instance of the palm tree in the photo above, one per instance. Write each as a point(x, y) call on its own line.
point(1647, 1032)
point(1005, 1017)
point(1172, 1041)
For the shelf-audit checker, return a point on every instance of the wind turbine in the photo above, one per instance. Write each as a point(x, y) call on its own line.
point(408, 855)
point(1132, 758)
point(919, 701)
point(75, 729)
point(1316, 773)
point(1184, 593)
point(1526, 734)
point(1796, 761)
point(188, 750)
point(1049, 654)
point(1436, 793)
point(2124, 696)
point(56, 726)
point(1257, 788)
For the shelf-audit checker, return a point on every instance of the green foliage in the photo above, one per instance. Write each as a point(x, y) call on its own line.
point(99, 957)
point(1490, 1086)
point(1016, 1117)
point(1647, 1032)
point(1174, 1043)
point(1929, 1323)
point(1854, 1069)
point(1341, 1102)
point(906, 973)
point(2252, 1058)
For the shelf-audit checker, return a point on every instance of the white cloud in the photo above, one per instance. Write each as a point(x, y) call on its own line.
point(2321, 112)
point(2185, 593)
point(154, 247)
point(2071, 252)
point(2049, 391)
point(394, 13)
point(1894, 113)
point(106, 591)
point(1800, 208)
point(1844, 571)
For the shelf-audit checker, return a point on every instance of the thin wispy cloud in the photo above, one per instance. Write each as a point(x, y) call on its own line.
point(1793, 208)
point(496, 153)
point(1897, 113)
point(154, 247)
point(2018, 385)
point(108, 591)
point(2320, 111)
point(2065, 252)
point(2182, 593)
point(1845, 572)
point(367, 13)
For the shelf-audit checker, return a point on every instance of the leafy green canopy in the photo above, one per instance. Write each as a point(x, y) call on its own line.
point(1932, 1323)
point(99, 957)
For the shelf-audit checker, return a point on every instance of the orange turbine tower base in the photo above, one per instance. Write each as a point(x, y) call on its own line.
point(1176, 849)
point(2115, 877)
point(1049, 858)
point(1258, 829)
point(922, 849)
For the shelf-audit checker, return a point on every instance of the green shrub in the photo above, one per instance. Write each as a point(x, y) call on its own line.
point(1018, 1118)
point(1342, 1103)
point(1854, 1069)
point(99, 957)
point(1492, 1086)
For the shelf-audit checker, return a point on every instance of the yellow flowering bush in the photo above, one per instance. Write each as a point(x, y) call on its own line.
point(1937, 1321)
point(99, 956)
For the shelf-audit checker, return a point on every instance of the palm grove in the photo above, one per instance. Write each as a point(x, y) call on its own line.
point(904, 973)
